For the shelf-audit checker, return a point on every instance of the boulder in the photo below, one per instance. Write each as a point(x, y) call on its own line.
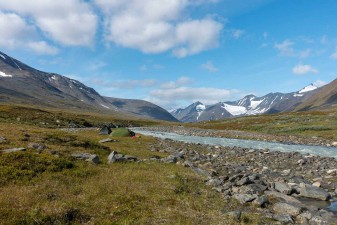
point(115, 157)
point(244, 198)
point(13, 150)
point(283, 188)
point(274, 196)
point(287, 208)
point(314, 192)
point(86, 157)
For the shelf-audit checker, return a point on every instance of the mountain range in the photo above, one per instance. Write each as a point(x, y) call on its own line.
point(309, 98)
point(22, 84)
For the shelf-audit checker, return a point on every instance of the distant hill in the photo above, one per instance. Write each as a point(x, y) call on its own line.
point(22, 84)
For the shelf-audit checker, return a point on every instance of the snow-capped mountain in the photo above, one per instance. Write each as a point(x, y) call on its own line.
point(249, 105)
point(22, 84)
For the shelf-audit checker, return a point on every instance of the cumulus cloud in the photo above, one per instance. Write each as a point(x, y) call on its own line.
point(151, 28)
point(17, 33)
point(209, 66)
point(70, 22)
point(42, 47)
point(301, 69)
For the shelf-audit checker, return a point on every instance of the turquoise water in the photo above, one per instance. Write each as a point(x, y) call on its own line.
point(272, 146)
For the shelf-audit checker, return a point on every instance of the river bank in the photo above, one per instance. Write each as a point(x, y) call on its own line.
point(275, 182)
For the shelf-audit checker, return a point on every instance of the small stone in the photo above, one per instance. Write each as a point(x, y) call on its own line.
point(261, 201)
point(284, 218)
point(107, 140)
point(332, 171)
point(317, 184)
point(334, 143)
point(13, 150)
point(283, 188)
point(243, 181)
point(37, 146)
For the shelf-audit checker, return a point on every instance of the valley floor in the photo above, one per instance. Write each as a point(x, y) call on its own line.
point(167, 182)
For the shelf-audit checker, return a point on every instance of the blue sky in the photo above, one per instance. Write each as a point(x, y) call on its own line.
point(175, 52)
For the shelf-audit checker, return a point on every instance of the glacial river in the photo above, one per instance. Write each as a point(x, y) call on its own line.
point(272, 146)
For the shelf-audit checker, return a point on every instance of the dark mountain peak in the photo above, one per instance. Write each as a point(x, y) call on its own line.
point(23, 84)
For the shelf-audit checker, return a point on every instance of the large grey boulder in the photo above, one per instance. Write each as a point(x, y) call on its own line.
point(13, 150)
point(115, 157)
point(86, 157)
point(287, 208)
point(274, 196)
point(314, 192)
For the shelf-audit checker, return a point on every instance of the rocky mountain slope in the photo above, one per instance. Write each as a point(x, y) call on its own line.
point(324, 98)
point(249, 105)
point(22, 84)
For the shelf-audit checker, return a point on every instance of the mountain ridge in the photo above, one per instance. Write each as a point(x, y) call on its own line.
point(23, 84)
point(248, 105)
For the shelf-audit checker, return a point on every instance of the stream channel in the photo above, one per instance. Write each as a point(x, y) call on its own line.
point(272, 146)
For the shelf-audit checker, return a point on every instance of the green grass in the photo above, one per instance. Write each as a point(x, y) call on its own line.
point(56, 189)
point(303, 124)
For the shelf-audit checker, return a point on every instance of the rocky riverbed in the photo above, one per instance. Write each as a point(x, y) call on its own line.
point(243, 135)
point(273, 182)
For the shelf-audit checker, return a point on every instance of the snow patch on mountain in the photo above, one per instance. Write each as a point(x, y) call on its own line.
point(2, 74)
point(254, 104)
point(234, 110)
point(2, 56)
point(200, 109)
point(308, 88)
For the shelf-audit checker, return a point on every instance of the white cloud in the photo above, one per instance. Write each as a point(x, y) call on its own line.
point(41, 47)
point(304, 69)
point(151, 28)
point(14, 30)
point(320, 83)
point(70, 22)
point(285, 48)
point(125, 84)
point(209, 66)
point(178, 83)
point(237, 33)
point(334, 55)
point(17, 33)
